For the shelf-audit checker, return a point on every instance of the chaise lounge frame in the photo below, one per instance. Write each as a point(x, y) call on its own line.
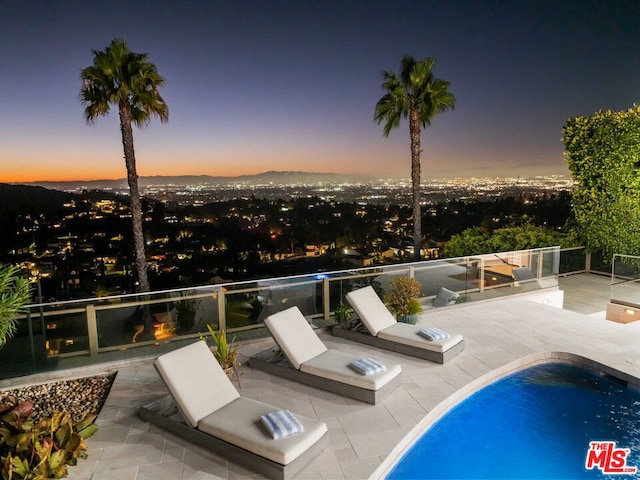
point(275, 361)
point(178, 425)
point(243, 457)
point(363, 335)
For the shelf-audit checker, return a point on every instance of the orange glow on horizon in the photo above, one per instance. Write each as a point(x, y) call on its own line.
point(74, 168)
point(76, 175)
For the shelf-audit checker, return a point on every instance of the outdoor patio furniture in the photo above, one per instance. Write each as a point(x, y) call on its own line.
point(216, 417)
point(303, 357)
point(383, 331)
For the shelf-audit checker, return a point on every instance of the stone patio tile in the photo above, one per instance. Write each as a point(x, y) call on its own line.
point(129, 456)
point(196, 463)
point(161, 471)
point(108, 436)
point(363, 422)
point(116, 473)
point(328, 465)
point(365, 445)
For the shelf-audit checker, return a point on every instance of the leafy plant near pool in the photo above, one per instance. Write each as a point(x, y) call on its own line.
point(14, 294)
point(35, 450)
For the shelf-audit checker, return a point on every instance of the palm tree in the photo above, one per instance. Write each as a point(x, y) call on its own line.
point(418, 95)
point(124, 78)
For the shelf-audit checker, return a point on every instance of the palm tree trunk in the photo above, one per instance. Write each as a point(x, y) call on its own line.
point(134, 194)
point(414, 132)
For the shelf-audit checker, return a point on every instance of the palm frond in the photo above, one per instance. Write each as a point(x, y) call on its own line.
point(416, 87)
point(117, 75)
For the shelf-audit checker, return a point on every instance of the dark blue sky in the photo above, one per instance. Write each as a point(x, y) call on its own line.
point(291, 85)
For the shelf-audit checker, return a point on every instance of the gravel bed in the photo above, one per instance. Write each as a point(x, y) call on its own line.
point(79, 397)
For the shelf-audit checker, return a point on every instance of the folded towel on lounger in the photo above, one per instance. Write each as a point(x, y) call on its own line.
point(281, 423)
point(367, 366)
point(433, 334)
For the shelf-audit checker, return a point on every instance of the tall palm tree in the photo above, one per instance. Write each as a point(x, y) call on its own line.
point(416, 93)
point(127, 80)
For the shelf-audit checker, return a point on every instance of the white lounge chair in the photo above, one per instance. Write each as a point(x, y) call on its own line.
point(384, 331)
point(301, 356)
point(218, 418)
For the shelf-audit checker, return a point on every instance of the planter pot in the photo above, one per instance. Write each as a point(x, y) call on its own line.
point(232, 374)
point(412, 318)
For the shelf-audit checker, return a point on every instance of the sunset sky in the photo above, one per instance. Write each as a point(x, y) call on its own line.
point(291, 85)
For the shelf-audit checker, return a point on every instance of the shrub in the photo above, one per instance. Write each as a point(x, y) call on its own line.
point(402, 297)
point(15, 292)
point(42, 449)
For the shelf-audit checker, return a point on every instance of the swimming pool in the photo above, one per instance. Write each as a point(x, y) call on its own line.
point(535, 423)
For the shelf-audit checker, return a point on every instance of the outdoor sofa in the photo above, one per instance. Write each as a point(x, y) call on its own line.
point(301, 356)
point(383, 331)
point(216, 417)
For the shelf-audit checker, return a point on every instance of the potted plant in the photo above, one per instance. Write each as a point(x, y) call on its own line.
point(402, 299)
point(15, 292)
point(225, 354)
point(342, 313)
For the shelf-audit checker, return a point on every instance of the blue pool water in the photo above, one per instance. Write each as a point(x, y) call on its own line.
point(536, 423)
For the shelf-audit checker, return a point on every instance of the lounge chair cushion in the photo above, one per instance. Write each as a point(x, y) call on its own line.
point(334, 365)
point(196, 381)
point(408, 335)
point(444, 297)
point(370, 309)
point(239, 423)
point(294, 336)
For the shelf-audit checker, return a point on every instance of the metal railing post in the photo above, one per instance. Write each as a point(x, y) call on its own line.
point(326, 303)
point(92, 330)
point(32, 343)
point(539, 266)
point(222, 319)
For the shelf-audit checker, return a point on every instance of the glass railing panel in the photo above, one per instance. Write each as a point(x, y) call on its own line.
point(343, 282)
point(572, 260)
point(127, 324)
point(625, 280)
point(25, 352)
point(457, 275)
point(118, 323)
point(250, 304)
point(192, 310)
point(56, 331)
point(66, 333)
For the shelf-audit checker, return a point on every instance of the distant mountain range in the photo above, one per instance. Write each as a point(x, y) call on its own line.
point(278, 178)
point(36, 199)
point(24, 198)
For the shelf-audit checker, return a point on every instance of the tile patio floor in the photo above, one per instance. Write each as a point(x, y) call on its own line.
point(361, 435)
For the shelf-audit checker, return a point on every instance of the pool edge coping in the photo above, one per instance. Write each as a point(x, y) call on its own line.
point(474, 386)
